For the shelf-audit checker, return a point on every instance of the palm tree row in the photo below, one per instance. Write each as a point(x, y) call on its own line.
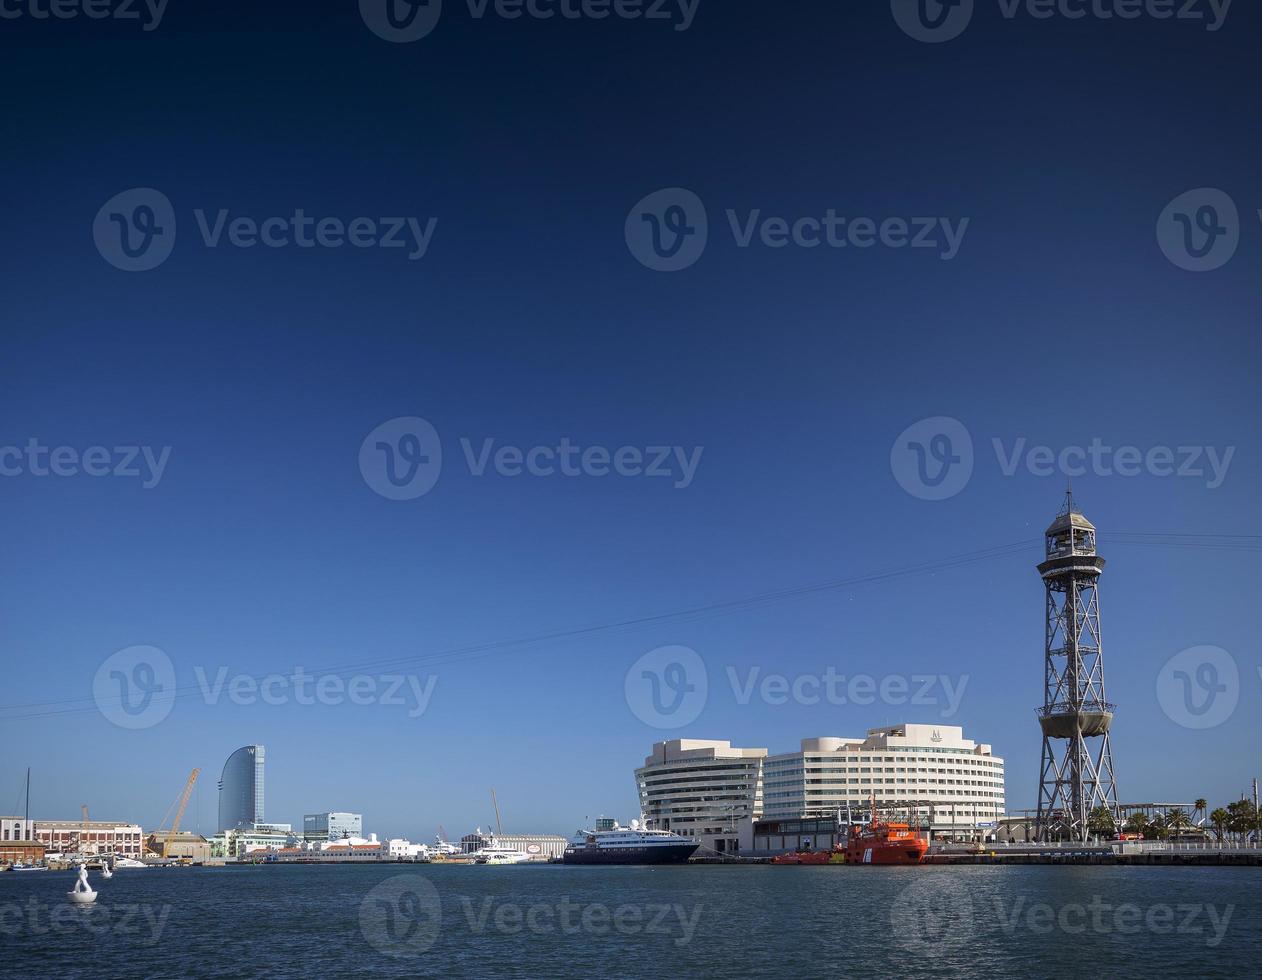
point(1238, 820)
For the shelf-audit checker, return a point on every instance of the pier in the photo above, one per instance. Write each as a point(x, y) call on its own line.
point(1119, 853)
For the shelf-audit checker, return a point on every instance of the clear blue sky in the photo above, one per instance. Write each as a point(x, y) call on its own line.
point(1060, 321)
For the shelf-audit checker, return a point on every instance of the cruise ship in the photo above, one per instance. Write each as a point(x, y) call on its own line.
point(610, 843)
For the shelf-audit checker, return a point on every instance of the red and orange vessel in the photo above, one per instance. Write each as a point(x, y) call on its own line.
point(880, 842)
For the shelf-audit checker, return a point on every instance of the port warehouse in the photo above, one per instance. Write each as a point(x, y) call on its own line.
point(124, 839)
point(536, 845)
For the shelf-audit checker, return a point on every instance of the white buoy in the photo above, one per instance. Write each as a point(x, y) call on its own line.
point(82, 893)
point(106, 873)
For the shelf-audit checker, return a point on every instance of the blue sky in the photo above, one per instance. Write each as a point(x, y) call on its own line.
point(263, 547)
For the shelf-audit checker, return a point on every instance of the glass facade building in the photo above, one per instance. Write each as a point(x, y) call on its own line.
point(332, 826)
point(241, 789)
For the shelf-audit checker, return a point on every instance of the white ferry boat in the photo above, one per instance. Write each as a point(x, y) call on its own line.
point(497, 853)
point(610, 843)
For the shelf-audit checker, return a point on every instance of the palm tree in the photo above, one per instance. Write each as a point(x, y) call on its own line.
point(1137, 823)
point(1176, 821)
point(1100, 822)
point(1199, 807)
point(1220, 818)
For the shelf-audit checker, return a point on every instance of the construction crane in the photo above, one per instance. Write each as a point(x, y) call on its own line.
point(159, 840)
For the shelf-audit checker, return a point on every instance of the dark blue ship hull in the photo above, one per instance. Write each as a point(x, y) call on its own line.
point(667, 854)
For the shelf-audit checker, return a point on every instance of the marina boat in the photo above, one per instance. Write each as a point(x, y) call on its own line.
point(497, 853)
point(128, 863)
point(441, 846)
point(610, 843)
point(28, 867)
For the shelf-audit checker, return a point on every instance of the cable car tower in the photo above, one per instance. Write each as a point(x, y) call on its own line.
point(1076, 774)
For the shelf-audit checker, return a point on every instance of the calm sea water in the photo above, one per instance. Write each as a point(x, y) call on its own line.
point(556, 921)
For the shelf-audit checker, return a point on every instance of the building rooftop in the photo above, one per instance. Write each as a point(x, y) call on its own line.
point(699, 748)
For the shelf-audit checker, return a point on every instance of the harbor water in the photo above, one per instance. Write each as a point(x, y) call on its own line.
point(681, 921)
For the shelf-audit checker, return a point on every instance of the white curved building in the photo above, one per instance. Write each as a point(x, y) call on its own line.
point(701, 789)
point(960, 781)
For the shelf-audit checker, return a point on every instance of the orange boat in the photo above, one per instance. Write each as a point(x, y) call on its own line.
point(885, 843)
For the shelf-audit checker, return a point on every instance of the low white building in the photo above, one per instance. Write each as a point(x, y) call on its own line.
point(347, 850)
point(401, 849)
point(238, 843)
point(16, 828)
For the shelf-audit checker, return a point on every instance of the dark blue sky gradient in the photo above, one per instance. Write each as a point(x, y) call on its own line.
point(1060, 321)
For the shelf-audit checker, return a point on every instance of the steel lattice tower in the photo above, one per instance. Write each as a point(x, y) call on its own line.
point(1076, 774)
